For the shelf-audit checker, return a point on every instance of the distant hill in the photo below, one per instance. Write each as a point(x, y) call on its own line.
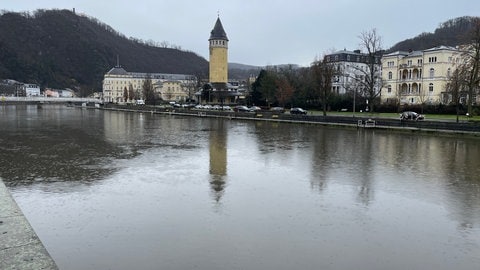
point(60, 49)
point(238, 71)
point(450, 33)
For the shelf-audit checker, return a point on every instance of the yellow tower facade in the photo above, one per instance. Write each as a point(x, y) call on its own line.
point(218, 68)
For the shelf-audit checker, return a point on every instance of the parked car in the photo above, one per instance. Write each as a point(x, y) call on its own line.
point(278, 109)
point(255, 109)
point(297, 110)
point(409, 115)
point(241, 108)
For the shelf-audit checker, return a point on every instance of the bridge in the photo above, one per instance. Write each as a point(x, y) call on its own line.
point(36, 100)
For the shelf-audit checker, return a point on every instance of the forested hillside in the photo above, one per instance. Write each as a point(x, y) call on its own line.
point(60, 49)
point(451, 33)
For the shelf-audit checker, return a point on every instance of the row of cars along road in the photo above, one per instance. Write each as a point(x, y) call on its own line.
point(407, 115)
point(242, 108)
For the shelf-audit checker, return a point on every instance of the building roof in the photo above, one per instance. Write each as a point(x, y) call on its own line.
point(404, 54)
point(218, 32)
point(441, 47)
point(117, 71)
point(344, 51)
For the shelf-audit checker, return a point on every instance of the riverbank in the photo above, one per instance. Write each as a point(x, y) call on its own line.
point(428, 126)
point(20, 247)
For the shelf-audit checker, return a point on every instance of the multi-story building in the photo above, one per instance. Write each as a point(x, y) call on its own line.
point(172, 91)
point(219, 89)
point(32, 90)
point(351, 67)
point(218, 46)
point(418, 77)
point(118, 79)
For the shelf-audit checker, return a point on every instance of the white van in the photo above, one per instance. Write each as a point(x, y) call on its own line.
point(140, 102)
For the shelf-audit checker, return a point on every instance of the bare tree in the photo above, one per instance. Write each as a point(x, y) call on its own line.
point(455, 89)
point(354, 87)
point(322, 76)
point(370, 80)
point(131, 93)
point(125, 94)
point(284, 92)
point(147, 88)
point(471, 65)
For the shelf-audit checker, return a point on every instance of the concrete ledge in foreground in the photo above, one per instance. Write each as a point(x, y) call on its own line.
point(20, 247)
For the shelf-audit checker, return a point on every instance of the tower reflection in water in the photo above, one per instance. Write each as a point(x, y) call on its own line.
point(218, 159)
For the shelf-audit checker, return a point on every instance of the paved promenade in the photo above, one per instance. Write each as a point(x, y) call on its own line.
point(20, 247)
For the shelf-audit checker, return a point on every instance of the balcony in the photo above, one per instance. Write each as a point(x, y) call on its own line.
point(413, 79)
point(410, 66)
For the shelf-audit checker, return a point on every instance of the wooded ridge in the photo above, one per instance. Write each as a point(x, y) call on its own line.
point(61, 49)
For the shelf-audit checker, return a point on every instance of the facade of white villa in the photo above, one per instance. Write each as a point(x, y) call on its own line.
point(414, 77)
point(170, 87)
point(418, 77)
point(350, 66)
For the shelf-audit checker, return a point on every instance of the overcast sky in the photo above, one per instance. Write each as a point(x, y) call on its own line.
point(265, 32)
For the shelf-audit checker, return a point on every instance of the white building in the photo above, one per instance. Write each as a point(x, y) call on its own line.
point(118, 79)
point(32, 90)
point(418, 77)
point(351, 67)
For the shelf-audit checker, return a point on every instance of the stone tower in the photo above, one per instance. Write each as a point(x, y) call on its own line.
point(218, 55)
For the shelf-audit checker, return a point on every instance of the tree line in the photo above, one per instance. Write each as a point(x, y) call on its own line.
point(464, 83)
point(311, 87)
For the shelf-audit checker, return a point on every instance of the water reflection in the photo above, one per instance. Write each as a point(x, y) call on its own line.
point(58, 149)
point(291, 196)
point(218, 158)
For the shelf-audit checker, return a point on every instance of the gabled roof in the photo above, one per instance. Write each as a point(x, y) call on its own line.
point(441, 47)
point(218, 32)
point(117, 71)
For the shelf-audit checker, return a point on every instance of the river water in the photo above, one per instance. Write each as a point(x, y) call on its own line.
point(118, 190)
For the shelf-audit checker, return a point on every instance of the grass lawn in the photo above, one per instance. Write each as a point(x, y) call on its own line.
point(446, 117)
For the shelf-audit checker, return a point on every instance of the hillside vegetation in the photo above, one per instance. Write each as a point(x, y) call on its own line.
point(60, 49)
point(450, 33)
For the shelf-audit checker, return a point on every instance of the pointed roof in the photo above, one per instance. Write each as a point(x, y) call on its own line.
point(218, 32)
point(117, 71)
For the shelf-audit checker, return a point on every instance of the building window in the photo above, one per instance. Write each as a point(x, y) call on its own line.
point(419, 62)
point(432, 73)
point(430, 87)
point(390, 75)
point(389, 89)
point(449, 73)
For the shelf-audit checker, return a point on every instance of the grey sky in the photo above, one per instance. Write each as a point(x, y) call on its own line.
point(265, 32)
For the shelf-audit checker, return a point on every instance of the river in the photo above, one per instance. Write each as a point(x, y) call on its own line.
point(119, 190)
